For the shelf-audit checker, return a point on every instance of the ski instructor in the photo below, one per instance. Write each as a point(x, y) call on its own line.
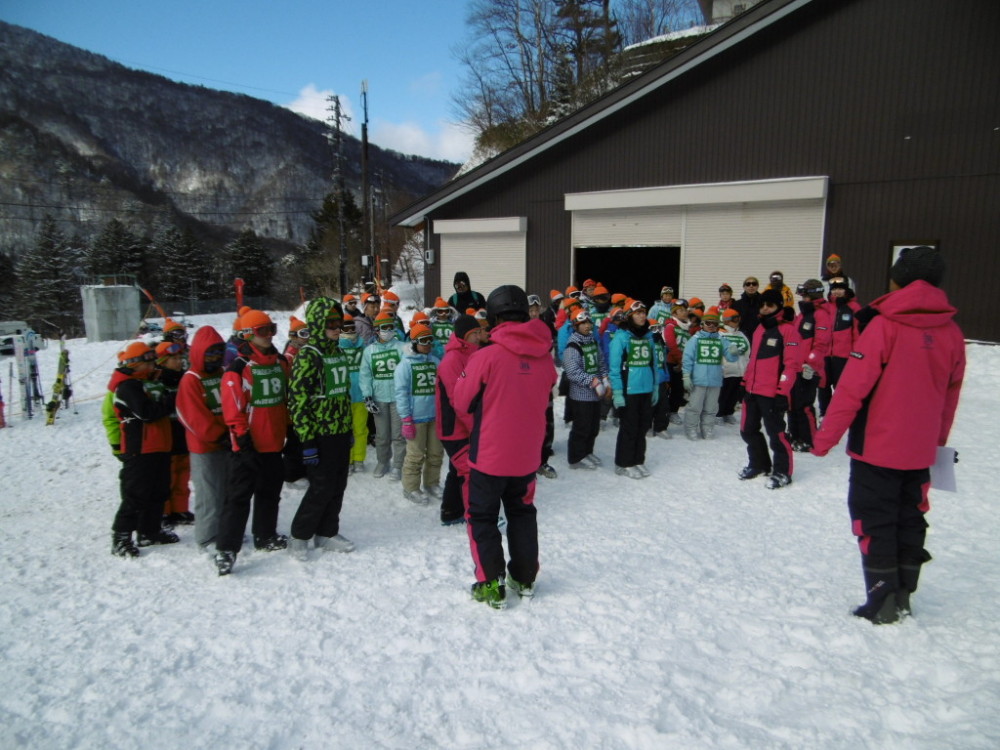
point(910, 352)
point(506, 386)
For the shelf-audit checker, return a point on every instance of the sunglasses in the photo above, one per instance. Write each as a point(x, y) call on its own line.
point(751, 283)
point(425, 340)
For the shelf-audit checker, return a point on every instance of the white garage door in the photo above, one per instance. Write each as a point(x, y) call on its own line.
point(726, 231)
point(491, 251)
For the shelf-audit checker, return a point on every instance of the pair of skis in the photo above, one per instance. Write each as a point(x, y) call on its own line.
point(61, 391)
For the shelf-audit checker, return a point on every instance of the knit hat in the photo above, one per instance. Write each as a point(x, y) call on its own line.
point(833, 258)
point(589, 282)
point(171, 325)
point(580, 316)
point(440, 304)
point(571, 290)
point(135, 353)
point(419, 317)
point(772, 297)
point(812, 288)
point(921, 263)
point(570, 302)
point(471, 311)
point(725, 288)
point(618, 299)
point(255, 318)
point(696, 302)
point(680, 302)
point(729, 314)
point(556, 294)
point(464, 325)
point(390, 297)
point(420, 330)
point(667, 290)
point(711, 315)
point(384, 316)
point(372, 298)
point(348, 298)
point(348, 322)
point(167, 349)
point(244, 310)
point(633, 306)
point(601, 290)
point(294, 324)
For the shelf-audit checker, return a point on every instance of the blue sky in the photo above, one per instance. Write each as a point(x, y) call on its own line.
point(291, 52)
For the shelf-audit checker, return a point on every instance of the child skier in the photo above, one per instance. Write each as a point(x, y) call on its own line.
point(170, 360)
point(633, 377)
point(378, 364)
point(414, 381)
point(319, 407)
point(352, 346)
point(702, 366)
point(732, 372)
point(587, 374)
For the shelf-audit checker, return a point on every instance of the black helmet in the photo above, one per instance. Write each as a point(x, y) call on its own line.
point(505, 300)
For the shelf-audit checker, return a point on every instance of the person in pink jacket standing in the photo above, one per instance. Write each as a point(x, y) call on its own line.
point(505, 386)
point(910, 353)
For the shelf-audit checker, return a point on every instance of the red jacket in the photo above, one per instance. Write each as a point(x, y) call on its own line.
point(899, 390)
point(506, 387)
point(841, 329)
point(775, 357)
point(254, 398)
point(199, 397)
point(144, 418)
point(452, 424)
point(812, 325)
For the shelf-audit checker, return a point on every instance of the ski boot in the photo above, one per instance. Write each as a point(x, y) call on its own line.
point(122, 544)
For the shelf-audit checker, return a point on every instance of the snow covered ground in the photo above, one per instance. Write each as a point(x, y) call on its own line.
point(689, 610)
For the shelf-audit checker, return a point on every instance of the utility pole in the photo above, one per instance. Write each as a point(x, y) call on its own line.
point(366, 206)
point(337, 134)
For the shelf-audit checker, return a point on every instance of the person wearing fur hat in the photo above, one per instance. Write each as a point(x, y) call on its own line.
point(353, 348)
point(897, 396)
point(464, 297)
point(702, 376)
point(587, 374)
point(454, 427)
point(415, 379)
point(170, 364)
point(801, 415)
point(199, 408)
point(142, 444)
point(254, 406)
point(632, 370)
point(732, 372)
point(378, 365)
point(771, 372)
point(298, 336)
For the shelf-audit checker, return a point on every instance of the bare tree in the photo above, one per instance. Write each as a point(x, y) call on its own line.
point(639, 20)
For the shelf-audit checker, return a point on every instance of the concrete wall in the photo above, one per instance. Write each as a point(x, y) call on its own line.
point(110, 313)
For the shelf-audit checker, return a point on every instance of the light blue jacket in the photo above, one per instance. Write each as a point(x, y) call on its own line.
point(639, 359)
point(703, 355)
point(415, 379)
point(355, 353)
point(378, 364)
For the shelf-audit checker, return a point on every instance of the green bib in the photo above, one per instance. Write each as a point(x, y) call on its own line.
point(336, 375)
point(423, 376)
point(213, 393)
point(354, 358)
point(268, 385)
point(443, 331)
point(154, 389)
point(709, 351)
point(384, 364)
point(589, 351)
point(639, 353)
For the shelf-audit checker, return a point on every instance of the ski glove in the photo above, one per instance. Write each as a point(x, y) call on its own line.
point(310, 454)
point(244, 443)
point(808, 372)
point(409, 429)
point(618, 399)
point(780, 405)
point(371, 406)
point(688, 383)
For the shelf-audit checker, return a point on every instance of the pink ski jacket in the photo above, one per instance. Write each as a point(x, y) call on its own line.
point(506, 387)
point(452, 424)
point(899, 390)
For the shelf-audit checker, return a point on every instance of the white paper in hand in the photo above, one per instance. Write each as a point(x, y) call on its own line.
point(943, 470)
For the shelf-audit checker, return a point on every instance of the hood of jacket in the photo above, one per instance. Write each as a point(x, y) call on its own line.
point(204, 337)
point(530, 339)
point(317, 311)
point(454, 343)
point(461, 276)
point(918, 304)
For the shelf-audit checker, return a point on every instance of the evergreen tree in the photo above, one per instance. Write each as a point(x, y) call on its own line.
point(48, 290)
point(8, 287)
point(116, 250)
point(247, 258)
point(319, 267)
point(182, 269)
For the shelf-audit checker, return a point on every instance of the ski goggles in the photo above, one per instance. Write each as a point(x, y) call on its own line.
point(333, 324)
point(177, 334)
point(270, 329)
point(173, 350)
point(636, 306)
point(709, 324)
point(534, 299)
point(582, 317)
point(808, 289)
point(302, 333)
point(425, 340)
point(386, 327)
point(149, 356)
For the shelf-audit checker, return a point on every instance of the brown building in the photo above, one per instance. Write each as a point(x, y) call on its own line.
point(798, 129)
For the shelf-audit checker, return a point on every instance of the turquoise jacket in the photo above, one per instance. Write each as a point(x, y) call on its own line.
point(378, 364)
point(632, 364)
